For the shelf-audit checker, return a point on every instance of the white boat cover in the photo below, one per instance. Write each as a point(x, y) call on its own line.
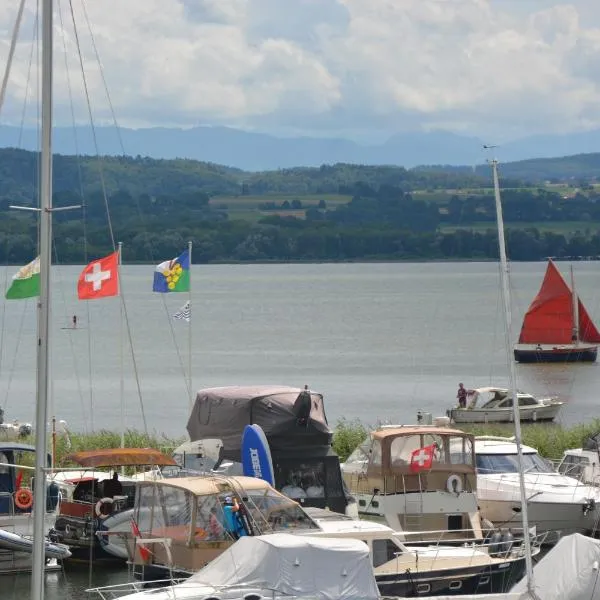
point(327, 569)
point(570, 571)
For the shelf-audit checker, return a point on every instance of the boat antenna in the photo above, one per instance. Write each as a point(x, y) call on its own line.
point(513, 378)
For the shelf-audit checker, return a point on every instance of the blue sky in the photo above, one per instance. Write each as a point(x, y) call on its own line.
point(345, 68)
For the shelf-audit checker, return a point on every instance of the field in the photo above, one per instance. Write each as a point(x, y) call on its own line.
point(563, 227)
point(248, 208)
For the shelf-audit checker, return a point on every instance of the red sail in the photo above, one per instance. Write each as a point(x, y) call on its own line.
point(549, 319)
point(587, 329)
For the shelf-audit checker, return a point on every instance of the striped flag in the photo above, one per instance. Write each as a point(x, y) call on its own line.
point(185, 312)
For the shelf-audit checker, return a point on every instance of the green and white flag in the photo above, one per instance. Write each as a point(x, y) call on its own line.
point(26, 282)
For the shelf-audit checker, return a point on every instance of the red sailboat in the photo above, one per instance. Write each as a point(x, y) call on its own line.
point(557, 327)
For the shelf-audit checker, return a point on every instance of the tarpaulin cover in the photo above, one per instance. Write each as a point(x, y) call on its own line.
point(322, 568)
point(570, 571)
point(290, 417)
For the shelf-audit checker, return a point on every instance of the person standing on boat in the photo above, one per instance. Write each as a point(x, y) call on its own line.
point(232, 521)
point(74, 321)
point(462, 396)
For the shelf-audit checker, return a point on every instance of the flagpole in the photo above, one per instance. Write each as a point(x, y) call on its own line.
point(190, 392)
point(122, 382)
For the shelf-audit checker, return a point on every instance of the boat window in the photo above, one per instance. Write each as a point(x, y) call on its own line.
point(508, 463)
point(360, 456)
point(461, 451)
point(271, 511)
point(302, 480)
point(3, 464)
point(573, 466)
point(527, 401)
point(210, 520)
point(384, 551)
point(402, 448)
point(376, 453)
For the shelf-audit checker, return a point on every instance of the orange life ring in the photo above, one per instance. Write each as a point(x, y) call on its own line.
point(23, 498)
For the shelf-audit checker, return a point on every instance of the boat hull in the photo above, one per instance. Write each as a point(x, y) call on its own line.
point(525, 353)
point(504, 415)
point(497, 578)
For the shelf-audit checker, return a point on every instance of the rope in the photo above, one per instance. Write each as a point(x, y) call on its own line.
point(11, 53)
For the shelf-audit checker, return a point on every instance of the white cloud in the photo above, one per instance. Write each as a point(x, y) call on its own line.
point(489, 67)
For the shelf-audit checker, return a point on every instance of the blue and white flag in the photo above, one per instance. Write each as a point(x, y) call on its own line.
point(184, 313)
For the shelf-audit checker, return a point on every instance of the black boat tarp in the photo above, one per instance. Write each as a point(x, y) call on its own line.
point(290, 417)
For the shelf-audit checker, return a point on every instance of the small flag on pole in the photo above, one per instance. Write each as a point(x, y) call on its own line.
point(184, 313)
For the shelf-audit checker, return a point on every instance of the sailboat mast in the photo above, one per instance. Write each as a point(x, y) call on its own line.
point(513, 378)
point(575, 300)
point(39, 511)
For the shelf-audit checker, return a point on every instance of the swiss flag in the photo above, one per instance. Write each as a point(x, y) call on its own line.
point(100, 278)
point(422, 458)
point(144, 552)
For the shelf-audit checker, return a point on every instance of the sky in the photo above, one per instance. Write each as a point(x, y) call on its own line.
point(334, 68)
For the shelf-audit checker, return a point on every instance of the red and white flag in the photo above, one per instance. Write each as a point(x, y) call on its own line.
point(144, 552)
point(422, 458)
point(100, 278)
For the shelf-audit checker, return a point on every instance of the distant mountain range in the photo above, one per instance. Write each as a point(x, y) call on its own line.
point(258, 151)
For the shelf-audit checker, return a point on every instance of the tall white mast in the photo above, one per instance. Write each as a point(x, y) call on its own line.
point(575, 300)
point(39, 511)
point(513, 379)
point(190, 389)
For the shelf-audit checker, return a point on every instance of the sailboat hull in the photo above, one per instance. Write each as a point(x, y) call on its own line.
point(532, 353)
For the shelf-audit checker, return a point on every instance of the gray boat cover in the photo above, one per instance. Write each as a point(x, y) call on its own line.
point(293, 565)
point(570, 571)
point(290, 417)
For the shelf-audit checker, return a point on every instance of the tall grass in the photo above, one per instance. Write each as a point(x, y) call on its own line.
point(76, 442)
point(550, 440)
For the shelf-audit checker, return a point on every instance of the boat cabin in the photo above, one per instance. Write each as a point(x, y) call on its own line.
point(583, 463)
point(420, 478)
point(184, 526)
point(16, 473)
point(500, 398)
point(92, 493)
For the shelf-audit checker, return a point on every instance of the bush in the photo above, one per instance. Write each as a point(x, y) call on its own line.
point(347, 435)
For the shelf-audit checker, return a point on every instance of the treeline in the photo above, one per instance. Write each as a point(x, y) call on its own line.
point(377, 224)
point(139, 175)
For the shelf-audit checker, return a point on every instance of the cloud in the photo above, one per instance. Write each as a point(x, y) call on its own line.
point(488, 67)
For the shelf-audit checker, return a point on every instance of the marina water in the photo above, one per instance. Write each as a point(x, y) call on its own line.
point(379, 340)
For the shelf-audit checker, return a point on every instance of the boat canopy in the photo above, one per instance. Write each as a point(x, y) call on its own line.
point(294, 566)
point(120, 457)
point(391, 450)
point(549, 319)
point(290, 417)
point(209, 484)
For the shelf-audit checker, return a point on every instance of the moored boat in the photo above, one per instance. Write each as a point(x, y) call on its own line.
point(557, 326)
point(497, 408)
point(420, 478)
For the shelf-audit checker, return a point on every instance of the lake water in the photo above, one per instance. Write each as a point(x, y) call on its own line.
point(380, 341)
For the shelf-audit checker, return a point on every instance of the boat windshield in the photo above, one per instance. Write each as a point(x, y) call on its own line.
point(509, 463)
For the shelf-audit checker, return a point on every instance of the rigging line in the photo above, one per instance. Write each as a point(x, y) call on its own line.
point(14, 361)
point(4, 307)
point(106, 90)
point(84, 212)
point(133, 359)
point(71, 344)
point(117, 128)
point(99, 161)
point(170, 319)
point(11, 53)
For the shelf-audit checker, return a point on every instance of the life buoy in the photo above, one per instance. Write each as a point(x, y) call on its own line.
point(23, 498)
point(99, 505)
point(454, 484)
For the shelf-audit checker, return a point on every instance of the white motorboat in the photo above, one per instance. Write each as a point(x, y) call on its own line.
point(496, 407)
point(583, 463)
point(556, 502)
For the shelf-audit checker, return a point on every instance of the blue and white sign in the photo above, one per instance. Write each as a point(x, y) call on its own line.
point(256, 455)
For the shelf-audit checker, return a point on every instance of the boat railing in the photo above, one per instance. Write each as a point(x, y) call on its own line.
point(440, 537)
point(111, 592)
point(503, 548)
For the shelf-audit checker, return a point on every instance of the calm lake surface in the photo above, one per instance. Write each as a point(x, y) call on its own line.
point(380, 341)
